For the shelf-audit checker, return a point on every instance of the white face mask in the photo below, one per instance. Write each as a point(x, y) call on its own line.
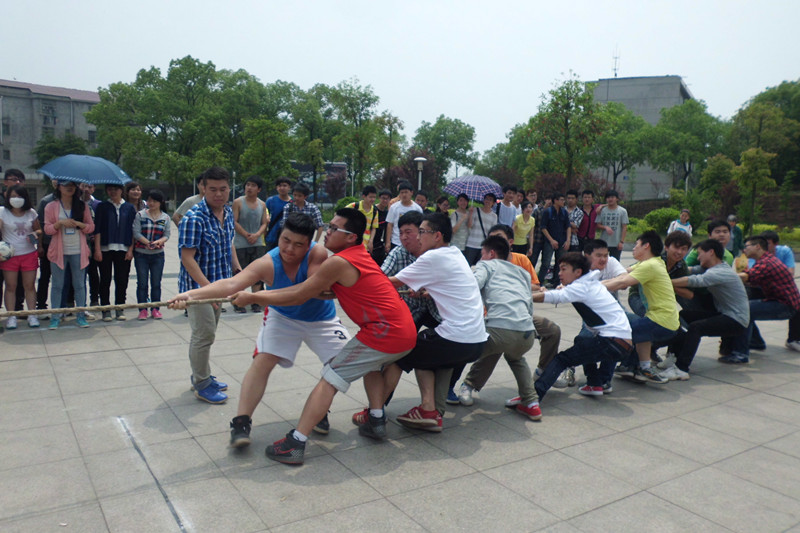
point(16, 201)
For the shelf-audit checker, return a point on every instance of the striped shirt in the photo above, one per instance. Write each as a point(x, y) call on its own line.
point(152, 230)
point(308, 208)
point(201, 230)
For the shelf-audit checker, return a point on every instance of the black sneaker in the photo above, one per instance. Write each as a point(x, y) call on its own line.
point(624, 371)
point(120, 315)
point(375, 428)
point(256, 308)
point(288, 450)
point(239, 310)
point(240, 431)
point(649, 375)
point(107, 316)
point(323, 427)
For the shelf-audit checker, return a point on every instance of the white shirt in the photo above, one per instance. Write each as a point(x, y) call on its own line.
point(613, 269)
point(396, 210)
point(445, 274)
point(16, 230)
point(507, 214)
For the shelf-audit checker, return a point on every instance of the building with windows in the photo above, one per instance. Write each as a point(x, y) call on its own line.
point(646, 96)
point(29, 112)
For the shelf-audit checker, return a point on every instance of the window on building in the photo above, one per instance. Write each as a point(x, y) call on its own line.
point(47, 120)
point(6, 128)
point(7, 155)
point(48, 108)
point(92, 136)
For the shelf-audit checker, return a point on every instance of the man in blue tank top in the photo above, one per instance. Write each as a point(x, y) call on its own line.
point(294, 260)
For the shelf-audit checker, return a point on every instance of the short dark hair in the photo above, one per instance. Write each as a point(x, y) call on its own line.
point(356, 222)
point(716, 223)
point(17, 173)
point(556, 195)
point(301, 188)
point(577, 261)
point(588, 191)
point(385, 192)
point(114, 186)
point(534, 191)
point(508, 187)
point(524, 204)
point(369, 189)
point(652, 238)
point(411, 217)
point(594, 244)
point(771, 236)
point(612, 192)
point(572, 192)
point(255, 180)
point(678, 238)
point(712, 244)
point(283, 179)
point(464, 196)
point(216, 174)
point(156, 195)
point(404, 186)
point(129, 186)
point(22, 192)
point(300, 223)
point(505, 228)
point(441, 223)
point(423, 193)
point(498, 245)
point(760, 240)
point(488, 194)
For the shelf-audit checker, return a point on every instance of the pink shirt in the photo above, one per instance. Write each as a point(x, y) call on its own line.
point(55, 252)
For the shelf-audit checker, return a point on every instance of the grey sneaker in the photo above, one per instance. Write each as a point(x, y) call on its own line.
point(323, 427)
point(793, 345)
point(669, 361)
point(649, 375)
point(120, 315)
point(240, 431)
point(465, 395)
point(375, 428)
point(288, 450)
point(674, 373)
point(570, 376)
point(624, 371)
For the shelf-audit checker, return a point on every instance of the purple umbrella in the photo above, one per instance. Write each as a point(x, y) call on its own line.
point(476, 187)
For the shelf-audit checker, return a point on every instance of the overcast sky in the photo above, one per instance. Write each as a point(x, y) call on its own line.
point(487, 65)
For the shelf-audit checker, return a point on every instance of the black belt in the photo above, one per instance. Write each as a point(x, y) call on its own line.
point(621, 342)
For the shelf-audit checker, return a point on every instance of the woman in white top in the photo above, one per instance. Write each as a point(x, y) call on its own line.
point(480, 220)
point(458, 219)
point(20, 228)
point(682, 224)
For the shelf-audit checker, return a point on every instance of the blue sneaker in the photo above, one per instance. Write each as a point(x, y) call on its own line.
point(211, 395)
point(734, 359)
point(54, 322)
point(214, 383)
point(452, 398)
point(81, 321)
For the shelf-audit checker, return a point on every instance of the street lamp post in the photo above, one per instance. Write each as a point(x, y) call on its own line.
point(420, 161)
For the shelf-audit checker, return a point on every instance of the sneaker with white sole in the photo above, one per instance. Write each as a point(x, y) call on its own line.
point(793, 345)
point(649, 375)
point(624, 371)
point(33, 321)
point(465, 395)
point(674, 373)
point(607, 388)
point(563, 380)
point(669, 360)
point(512, 403)
point(588, 390)
point(11, 323)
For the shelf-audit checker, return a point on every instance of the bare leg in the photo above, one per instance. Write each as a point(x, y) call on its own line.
point(317, 405)
point(643, 349)
point(255, 383)
point(11, 289)
point(374, 385)
point(391, 377)
point(426, 380)
point(29, 284)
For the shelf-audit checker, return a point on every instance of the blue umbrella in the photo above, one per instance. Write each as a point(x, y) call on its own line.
point(474, 186)
point(85, 169)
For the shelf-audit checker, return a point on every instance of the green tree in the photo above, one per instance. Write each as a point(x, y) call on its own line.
point(450, 140)
point(753, 176)
point(268, 149)
point(621, 145)
point(389, 140)
point(495, 164)
point(564, 131)
point(785, 97)
point(355, 108)
point(49, 147)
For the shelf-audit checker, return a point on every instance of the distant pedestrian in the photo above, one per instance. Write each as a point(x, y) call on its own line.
point(151, 230)
point(681, 224)
point(113, 247)
point(19, 224)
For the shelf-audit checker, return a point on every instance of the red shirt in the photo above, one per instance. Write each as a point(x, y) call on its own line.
point(775, 279)
point(588, 226)
point(374, 304)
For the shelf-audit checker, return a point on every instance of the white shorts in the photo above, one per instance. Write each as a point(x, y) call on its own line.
point(281, 337)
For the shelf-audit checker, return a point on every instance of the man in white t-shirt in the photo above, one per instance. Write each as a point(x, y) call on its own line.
point(398, 209)
point(506, 210)
point(445, 274)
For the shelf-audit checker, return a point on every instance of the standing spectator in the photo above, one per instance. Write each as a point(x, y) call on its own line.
point(207, 254)
point(113, 247)
point(190, 202)
point(736, 245)
point(93, 270)
point(681, 224)
point(506, 210)
point(588, 226)
point(479, 223)
point(43, 287)
point(68, 221)
point(300, 192)
point(133, 195)
point(557, 235)
point(613, 221)
point(251, 219)
point(151, 229)
point(379, 239)
point(275, 205)
point(20, 228)
point(523, 228)
point(575, 219)
point(13, 177)
point(421, 198)
point(443, 206)
point(538, 237)
point(396, 210)
point(458, 219)
point(368, 209)
point(533, 197)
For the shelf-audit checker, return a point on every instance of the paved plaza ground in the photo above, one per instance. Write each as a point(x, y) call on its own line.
point(101, 433)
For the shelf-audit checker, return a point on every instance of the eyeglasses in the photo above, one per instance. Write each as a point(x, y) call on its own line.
point(431, 231)
point(334, 229)
point(13, 179)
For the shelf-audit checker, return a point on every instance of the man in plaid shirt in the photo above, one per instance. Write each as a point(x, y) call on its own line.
point(300, 192)
point(205, 244)
point(781, 298)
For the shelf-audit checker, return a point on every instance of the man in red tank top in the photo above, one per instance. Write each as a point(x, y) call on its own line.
point(386, 330)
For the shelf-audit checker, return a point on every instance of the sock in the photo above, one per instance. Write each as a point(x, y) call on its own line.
point(299, 436)
point(376, 413)
point(644, 365)
point(533, 404)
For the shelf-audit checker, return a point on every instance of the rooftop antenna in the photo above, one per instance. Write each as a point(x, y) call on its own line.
point(616, 60)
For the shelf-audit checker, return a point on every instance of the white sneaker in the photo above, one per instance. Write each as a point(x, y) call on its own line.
point(674, 373)
point(89, 315)
point(465, 395)
point(563, 380)
point(513, 402)
point(793, 345)
point(33, 321)
point(11, 323)
point(669, 361)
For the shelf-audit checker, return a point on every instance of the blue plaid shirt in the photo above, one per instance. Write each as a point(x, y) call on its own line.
point(201, 230)
point(308, 208)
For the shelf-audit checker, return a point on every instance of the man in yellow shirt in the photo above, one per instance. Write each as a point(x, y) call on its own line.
point(661, 322)
point(367, 208)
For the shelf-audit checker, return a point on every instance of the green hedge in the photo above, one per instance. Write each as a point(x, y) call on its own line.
point(660, 219)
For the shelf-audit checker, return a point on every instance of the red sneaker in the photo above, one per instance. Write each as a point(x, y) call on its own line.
point(361, 417)
point(418, 418)
point(534, 412)
point(157, 314)
point(142, 314)
point(588, 390)
point(511, 403)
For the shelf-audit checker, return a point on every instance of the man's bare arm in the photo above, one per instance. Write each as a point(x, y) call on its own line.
point(623, 281)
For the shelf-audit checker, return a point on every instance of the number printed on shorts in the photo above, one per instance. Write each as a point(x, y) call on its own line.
point(340, 334)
